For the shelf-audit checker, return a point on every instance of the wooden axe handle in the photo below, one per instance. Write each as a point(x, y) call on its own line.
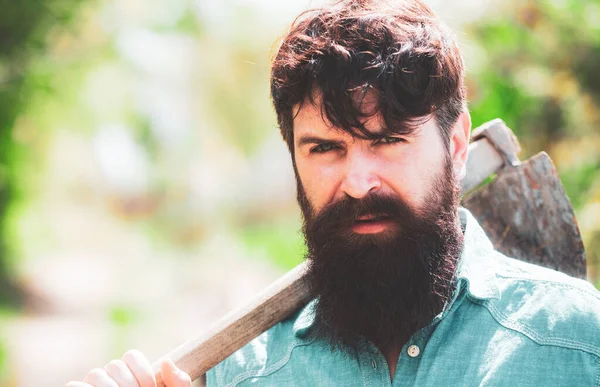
point(287, 294)
point(483, 161)
point(236, 329)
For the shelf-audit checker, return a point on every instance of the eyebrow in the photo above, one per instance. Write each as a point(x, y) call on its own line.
point(312, 139)
point(315, 140)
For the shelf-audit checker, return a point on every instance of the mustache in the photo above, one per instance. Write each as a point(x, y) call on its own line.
point(345, 212)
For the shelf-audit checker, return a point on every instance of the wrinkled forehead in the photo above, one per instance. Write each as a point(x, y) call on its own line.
point(311, 117)
point(314, 114)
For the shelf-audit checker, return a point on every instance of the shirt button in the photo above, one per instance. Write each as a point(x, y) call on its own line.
point(413, 351)
point(374, 364)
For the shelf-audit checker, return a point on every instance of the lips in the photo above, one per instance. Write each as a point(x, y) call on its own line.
point(371, 224)
point(371, 218)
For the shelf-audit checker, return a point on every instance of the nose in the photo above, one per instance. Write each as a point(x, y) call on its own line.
point(362, 177)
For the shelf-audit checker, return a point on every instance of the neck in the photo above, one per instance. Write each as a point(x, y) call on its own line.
point(391, 356)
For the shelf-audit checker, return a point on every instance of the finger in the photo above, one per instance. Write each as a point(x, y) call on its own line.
point(140, 368)
point(173, 376)
point(118, 370)
point(99, 378)
point(78, 384)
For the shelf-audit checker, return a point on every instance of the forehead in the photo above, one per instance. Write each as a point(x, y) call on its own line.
point(309, 116)
point(310, 119)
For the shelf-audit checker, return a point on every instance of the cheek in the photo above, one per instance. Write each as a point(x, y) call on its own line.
point(320, 182)
point(411, 175)
point(405, 181)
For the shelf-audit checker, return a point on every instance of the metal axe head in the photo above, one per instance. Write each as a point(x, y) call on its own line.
point(525, 210)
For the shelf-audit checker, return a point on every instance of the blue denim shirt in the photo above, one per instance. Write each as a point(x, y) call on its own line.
point(509, 324)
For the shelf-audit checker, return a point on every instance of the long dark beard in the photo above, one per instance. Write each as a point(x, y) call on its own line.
point(382, 287)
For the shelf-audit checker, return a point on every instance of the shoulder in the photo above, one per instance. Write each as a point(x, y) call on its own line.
point(513, 274)
point(264, 356)
point(547, 306)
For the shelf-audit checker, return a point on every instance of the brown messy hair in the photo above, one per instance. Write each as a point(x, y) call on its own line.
point(398, 49)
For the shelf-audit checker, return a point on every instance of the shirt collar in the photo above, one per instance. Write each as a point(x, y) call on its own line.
point(475, 272)
point(476, 267)
point(305, 319)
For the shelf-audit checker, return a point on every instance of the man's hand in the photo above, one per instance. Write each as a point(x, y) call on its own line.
point(133, 370)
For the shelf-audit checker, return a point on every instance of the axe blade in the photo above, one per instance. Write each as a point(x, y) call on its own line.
point(526, 213)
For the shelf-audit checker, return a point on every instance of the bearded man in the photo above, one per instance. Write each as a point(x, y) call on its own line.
point(370, 100)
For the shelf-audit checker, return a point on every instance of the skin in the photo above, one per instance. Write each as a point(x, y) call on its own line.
point(331, 164)
point(133, 370)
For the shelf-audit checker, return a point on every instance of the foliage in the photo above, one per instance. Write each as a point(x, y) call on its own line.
point(5, 316)
point(24, 27)
point(539, 73)
point(3, 363)
point(277, 242)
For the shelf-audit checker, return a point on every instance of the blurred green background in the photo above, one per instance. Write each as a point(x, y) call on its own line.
point(144, 189)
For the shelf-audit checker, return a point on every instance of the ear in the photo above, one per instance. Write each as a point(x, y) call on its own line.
point(459, 143)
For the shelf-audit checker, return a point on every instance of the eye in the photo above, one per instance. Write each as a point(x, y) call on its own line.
point(388, 140)
point(323, 147)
